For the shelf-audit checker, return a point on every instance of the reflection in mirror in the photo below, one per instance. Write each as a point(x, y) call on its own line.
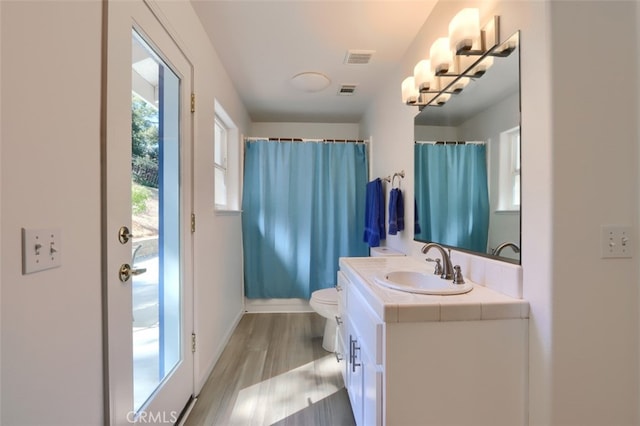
point(467, 164)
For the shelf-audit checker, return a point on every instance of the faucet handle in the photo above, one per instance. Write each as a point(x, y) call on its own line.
point(457, 275)
point(438, 268)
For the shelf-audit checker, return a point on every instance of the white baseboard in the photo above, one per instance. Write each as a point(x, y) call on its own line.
point(200, 381)
point(276, 305)
point(187, 411)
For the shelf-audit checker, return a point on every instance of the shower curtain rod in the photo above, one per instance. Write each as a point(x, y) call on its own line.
point(452, 142)
point(310, 140)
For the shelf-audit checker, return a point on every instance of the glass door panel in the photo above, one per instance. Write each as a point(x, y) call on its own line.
point(155, 199)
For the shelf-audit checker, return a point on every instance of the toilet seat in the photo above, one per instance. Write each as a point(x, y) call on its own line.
point(326, 296)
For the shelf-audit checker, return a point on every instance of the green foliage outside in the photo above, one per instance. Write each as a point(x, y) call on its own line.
point(144, 152)
point(144, 128)
point(139, 197)
point(144, 142)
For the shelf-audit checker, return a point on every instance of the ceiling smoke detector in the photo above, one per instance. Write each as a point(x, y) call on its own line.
point(358, 57)
point(347, 90)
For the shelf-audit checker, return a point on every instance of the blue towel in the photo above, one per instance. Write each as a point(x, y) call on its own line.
point(416, 221)
point(374, 214)
point(396, 212)
point(400, 211)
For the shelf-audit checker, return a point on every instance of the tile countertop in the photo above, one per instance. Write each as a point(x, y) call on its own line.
point(481, 303)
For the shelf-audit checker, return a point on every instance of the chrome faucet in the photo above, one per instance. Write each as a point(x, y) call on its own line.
point(447, 268)
point(496, 251)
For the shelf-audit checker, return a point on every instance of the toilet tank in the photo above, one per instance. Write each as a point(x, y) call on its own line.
point(384, 252)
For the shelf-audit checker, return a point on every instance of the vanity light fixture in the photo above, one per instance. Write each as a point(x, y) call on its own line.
point(410, 93)
point(442, 99)
point(455, 84)
point(456, 60)
point(441, 56)
point(424, 78)
point(464, 31)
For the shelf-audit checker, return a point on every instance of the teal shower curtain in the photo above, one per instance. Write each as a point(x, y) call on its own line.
point(452, 197)
point(303, 208)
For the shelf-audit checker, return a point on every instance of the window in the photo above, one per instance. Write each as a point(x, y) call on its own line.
point(220, 164)
point(509, 184)
point(515, 166)
point(226, 162)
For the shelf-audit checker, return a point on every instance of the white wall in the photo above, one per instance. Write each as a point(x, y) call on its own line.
point(435, 133)
point(51, 336)
point(638, 181)
point(305, 130)
point(594, 159)
point(1, 213)
point(579, 171)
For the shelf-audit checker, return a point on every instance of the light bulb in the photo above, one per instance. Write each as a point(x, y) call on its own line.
point(409, 91)
point(440, 56)
point(464, 31)
point(423, 76)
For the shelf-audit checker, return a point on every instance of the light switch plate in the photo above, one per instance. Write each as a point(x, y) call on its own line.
point(41, 249)
point(617, 241)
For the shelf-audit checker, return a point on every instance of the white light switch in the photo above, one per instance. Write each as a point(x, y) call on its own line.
point(617, 241)
point(41, 249)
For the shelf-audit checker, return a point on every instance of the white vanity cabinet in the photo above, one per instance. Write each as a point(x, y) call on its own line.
point(405, 365)
point(342, 354)
point(362, 370)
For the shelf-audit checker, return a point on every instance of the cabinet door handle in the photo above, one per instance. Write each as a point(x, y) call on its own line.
point(338, 320)
point(354, 356)
point(351, 349)
point(339, 356)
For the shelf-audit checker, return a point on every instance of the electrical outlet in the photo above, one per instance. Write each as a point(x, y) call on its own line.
point(41, 249)
point(617, 242)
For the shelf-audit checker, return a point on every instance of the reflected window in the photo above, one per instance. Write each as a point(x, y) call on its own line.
point(510, 170)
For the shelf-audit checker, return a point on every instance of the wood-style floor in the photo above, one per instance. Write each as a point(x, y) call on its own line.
point(274, 372)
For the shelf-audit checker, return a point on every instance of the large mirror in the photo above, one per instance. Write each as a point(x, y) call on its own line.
point(467, 165)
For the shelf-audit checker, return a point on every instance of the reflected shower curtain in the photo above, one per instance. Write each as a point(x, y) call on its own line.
point(452, 197)
point(303, 204)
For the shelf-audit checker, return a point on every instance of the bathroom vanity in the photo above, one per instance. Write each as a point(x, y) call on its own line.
point(412, 359)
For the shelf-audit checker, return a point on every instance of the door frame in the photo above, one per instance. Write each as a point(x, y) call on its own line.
point(119, 19)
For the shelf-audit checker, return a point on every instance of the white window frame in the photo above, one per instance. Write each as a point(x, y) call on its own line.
point(509, 174)
point(220, 141)
point(514, 145)
point(230, 164)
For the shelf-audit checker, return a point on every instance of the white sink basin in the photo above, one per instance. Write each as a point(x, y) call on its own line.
point(418, 282)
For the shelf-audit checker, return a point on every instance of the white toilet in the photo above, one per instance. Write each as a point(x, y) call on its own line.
point(325, 303)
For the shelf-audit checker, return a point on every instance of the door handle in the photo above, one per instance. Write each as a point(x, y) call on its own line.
point(124, 235)
point(126, 272)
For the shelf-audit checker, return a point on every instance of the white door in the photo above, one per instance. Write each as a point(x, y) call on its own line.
point(147, 182)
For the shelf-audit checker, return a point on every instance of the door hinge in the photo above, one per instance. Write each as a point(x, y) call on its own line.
point(193, 223)
point(193, 342)
point(193, 102)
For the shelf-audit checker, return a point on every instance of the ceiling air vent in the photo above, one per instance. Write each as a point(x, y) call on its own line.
point(358, 57)
point(347, 89)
